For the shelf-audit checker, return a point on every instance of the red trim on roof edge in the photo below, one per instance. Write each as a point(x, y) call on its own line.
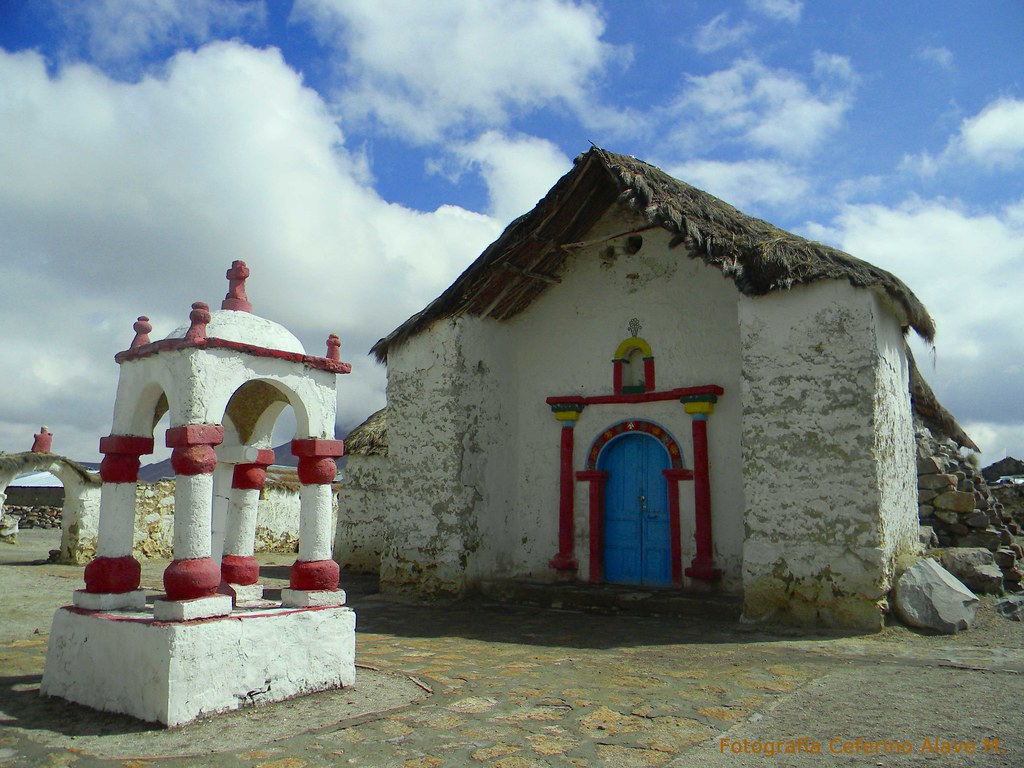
point(171, 345)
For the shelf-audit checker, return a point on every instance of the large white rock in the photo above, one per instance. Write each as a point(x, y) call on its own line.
point(928, 596)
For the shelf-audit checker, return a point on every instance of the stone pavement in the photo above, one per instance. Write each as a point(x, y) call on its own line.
point(485, 684)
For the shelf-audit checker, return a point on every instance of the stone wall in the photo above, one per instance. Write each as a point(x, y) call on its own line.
point(23, 496)
point(958, 510)
point(277, 523)
point(277, 520)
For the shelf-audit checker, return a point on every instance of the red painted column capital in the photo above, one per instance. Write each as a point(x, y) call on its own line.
point(192, 446)
point(252, 476)
point(317, 456)
point(121, 457)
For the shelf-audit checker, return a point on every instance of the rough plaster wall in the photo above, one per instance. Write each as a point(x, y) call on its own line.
point(362, 513)
point(476, 448)
point(432, 527)
point(894, 447)
point(490, 446)
point(277, 520)
point(80, 521)
point(815, 384)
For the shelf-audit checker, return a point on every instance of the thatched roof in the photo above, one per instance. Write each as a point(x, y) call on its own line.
point(930, 410)
point(758, 257)
point(370, 438)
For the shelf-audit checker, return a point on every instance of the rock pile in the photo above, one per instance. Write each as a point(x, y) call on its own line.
point(35, 517)
point(958, 510)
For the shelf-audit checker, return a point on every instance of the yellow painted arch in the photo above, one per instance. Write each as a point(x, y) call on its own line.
point(629, 345)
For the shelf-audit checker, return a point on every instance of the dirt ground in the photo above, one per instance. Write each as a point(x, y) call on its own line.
point(488, 684)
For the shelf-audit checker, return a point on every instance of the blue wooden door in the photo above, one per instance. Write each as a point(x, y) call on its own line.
point(637, 546)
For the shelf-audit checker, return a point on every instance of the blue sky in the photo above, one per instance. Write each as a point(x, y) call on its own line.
point(360, 154)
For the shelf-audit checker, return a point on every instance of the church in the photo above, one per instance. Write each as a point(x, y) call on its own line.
point(639, 384)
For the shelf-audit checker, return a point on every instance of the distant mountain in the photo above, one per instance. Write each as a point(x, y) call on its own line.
point(1007, 466)
point(162, 470)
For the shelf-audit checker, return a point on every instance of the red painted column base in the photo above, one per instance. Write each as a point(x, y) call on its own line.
point(191, 579)
point(565, 564)
point(113, 575)
point(706, 571)
point(314, 575)
point(240, 569)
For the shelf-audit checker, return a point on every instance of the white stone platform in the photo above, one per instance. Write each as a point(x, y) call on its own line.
point(175, 672)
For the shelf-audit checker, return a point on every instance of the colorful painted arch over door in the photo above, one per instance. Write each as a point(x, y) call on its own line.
point(699, 403)
point(636, 425)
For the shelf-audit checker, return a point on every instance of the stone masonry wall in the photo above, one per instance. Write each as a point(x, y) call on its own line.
point(958, 511)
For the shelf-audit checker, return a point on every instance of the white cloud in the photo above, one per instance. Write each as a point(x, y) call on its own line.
point(718, 34)
point(939, 55)
point(422, 69)
point(833, 67)
point(518, 171)
point(772, 108)
point(780, 10)
point(750, 183)
point(997, 441)
point(125, 199)
point(995, 136)
point(965, 267)
point(115, 32)
point(993, 139)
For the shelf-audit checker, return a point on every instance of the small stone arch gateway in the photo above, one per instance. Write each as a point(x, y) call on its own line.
point(81, 497)
point(223, 379)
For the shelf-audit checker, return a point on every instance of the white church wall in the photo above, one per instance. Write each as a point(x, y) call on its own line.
point(823, 370)
point(362, 513)
point(432, 529)
point(689, 317)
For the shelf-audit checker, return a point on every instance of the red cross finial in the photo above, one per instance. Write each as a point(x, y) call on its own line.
point(142, 329)
point(236, 298)
point(200, 317)
point(333, 347)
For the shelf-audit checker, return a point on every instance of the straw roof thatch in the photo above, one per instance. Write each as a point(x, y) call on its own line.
point(758, 257)
point(370, 438)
